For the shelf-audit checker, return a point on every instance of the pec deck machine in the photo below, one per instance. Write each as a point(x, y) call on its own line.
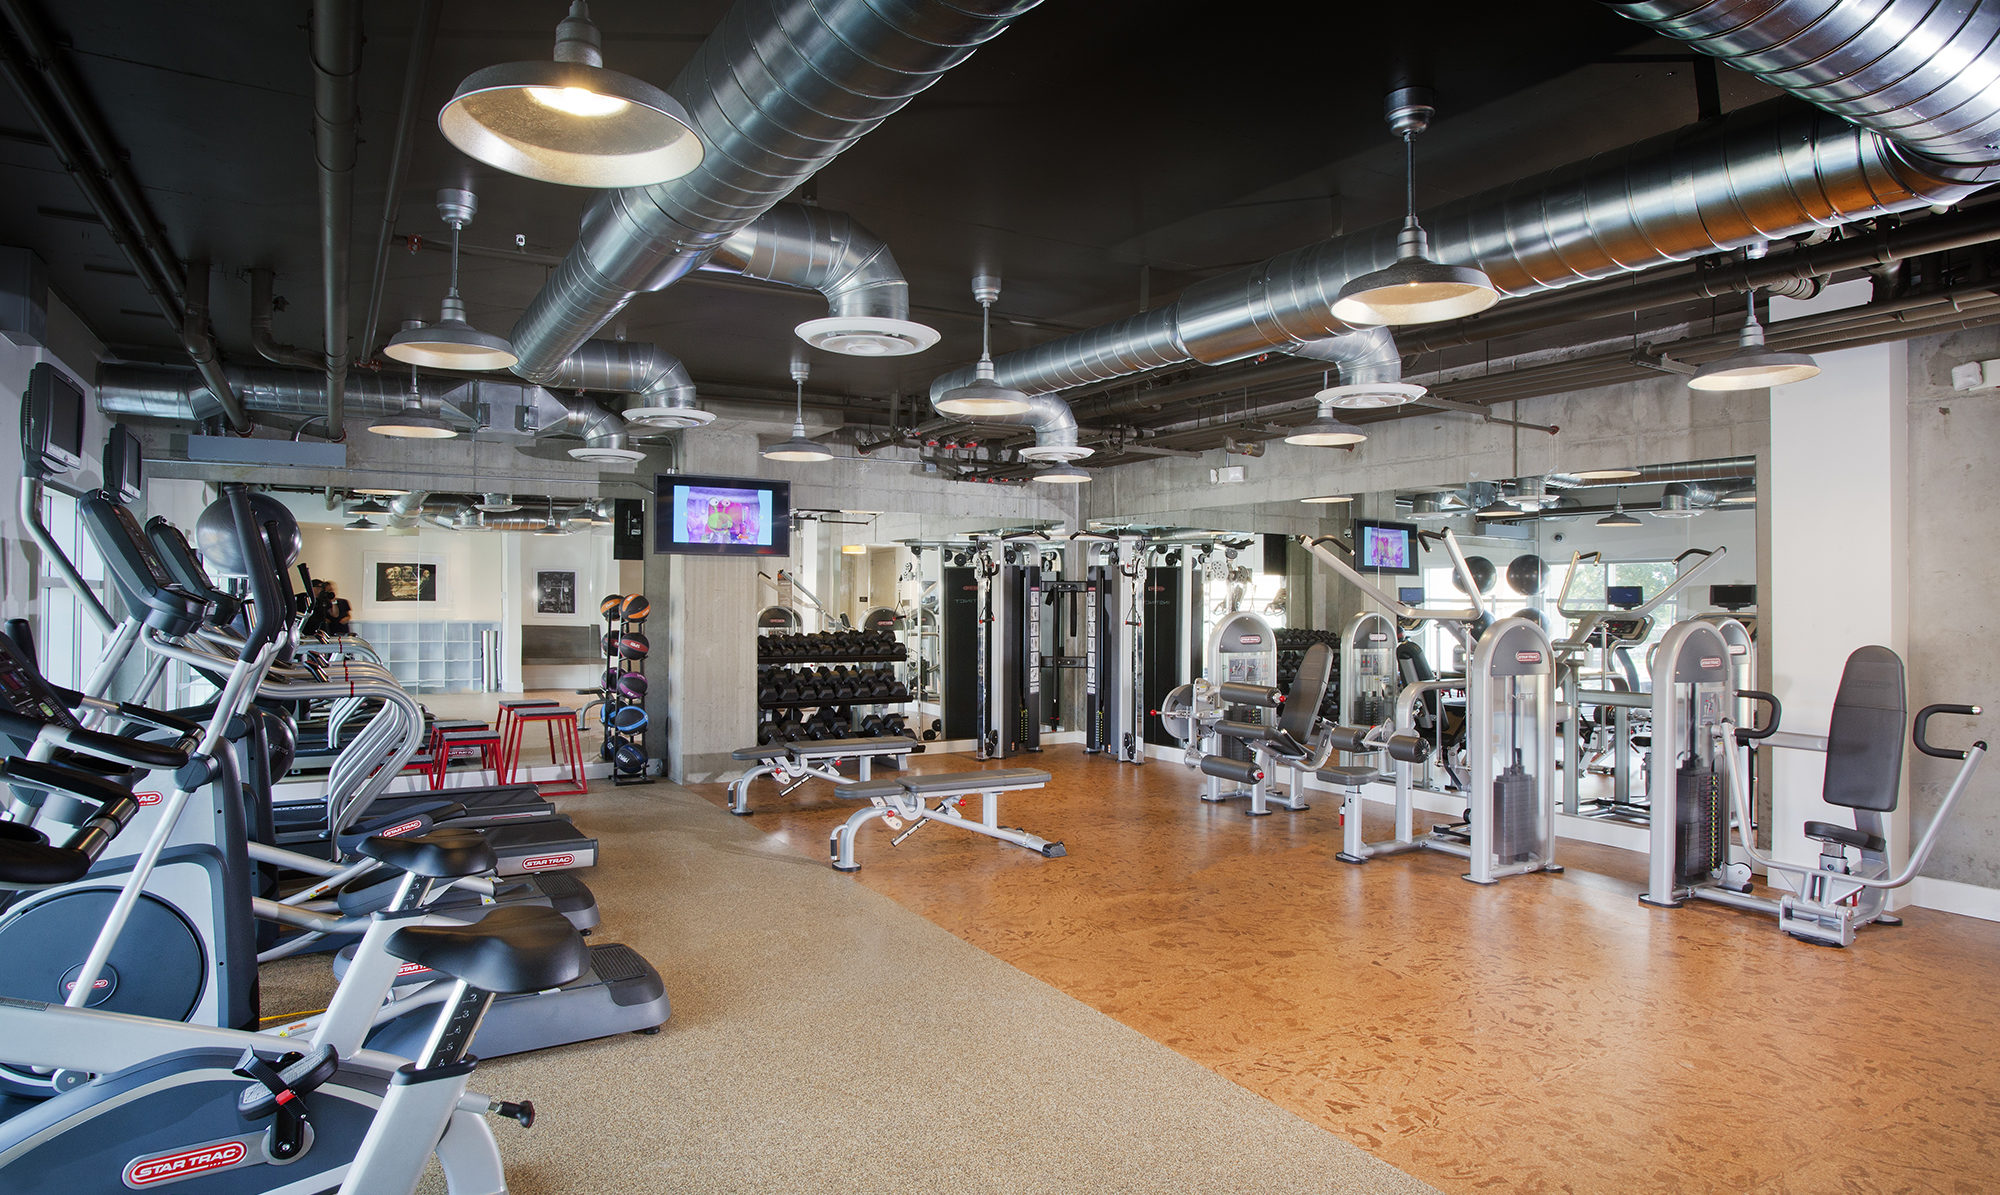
point(1509, 687)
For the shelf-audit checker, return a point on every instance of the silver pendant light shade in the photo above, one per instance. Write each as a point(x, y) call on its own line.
point(1064, 474)
point(570, 120)
point(415, 421)
point(983, 395)
point(798, 448)
point(1752, 366)
point(451, 343)
point(1415, 289)
point(1618, 517)
point(1326, 430)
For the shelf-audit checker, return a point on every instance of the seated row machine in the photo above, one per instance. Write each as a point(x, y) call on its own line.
point(1215, 711)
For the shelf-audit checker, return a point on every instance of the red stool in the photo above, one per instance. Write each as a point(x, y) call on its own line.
point(448, 745)
point(565, 746)
point(503, 721)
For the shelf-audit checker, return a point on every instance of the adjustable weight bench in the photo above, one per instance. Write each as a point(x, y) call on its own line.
point(792, 764)
point(907, 798)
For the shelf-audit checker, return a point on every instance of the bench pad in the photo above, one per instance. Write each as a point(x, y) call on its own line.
point(766, 752)
point(990, 780)
point(897, 745)
point(868, 790)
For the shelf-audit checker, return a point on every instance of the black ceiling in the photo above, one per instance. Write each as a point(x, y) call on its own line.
point(1096, 152)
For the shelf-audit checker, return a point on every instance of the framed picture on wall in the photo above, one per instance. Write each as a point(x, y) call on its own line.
point(555, 593)
point(399, 578)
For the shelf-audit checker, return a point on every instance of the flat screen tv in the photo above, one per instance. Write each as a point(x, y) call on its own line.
point(52, 422)
point(1732, 597)
point(1624, 597)
point(721, 516)
point(1386, 547)
point(124, 470)
point(1410, 595)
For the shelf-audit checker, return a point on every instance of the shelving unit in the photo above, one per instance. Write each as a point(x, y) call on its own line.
point(794, 659)
point(433, 657)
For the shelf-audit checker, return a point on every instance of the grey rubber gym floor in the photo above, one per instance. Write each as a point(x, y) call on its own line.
point(825, 1038)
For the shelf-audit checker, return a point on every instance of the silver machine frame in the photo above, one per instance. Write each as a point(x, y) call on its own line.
point(894, 801)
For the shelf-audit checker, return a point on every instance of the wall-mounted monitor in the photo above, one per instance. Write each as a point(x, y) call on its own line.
point(1732, 597)
point(721, 516)
point(124, 470)
point(1624, 597)
point(1385, 547)
point(1410, 595)
point(51, 422)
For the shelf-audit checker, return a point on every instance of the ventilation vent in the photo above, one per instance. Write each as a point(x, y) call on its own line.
point(606, 455)
point(1054, 452)
point(667, 418)
point(865, 336)
point(1370, 396)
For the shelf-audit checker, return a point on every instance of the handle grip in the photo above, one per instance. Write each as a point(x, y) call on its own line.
point(272, 607)
point(118, 748)
point(1923, 724)
point(1747, 735)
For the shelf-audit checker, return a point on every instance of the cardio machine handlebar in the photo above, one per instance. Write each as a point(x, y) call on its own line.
point(273, 611)
point(117, 748)
point(1923, 722)
point(114, 804)
point(1746, 735)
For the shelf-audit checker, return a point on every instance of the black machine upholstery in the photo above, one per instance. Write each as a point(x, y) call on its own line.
point(514, 948)
point(1845, 836)
point(992, 779)
point(1864, 739)
point(1307, 693)
point(441, 854)
point(28, 860)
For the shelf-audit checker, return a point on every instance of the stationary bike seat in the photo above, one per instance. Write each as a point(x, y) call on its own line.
point(514, 948)
point(446, 853)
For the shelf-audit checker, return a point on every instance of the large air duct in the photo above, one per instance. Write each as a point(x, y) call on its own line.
point(1921, 73)
point(655, 388)
point(179, 394)
point(776, 92)
point(1052, 422)
point(1770, 171)
point(867, 299)
point(336, 58)
point(604, 433)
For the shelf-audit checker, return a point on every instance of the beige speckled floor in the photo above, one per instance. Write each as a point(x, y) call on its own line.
point(825, 1038)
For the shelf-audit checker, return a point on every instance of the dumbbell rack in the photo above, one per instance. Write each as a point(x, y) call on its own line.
point(615, 698)
point(1293, 643)
point(787, 664)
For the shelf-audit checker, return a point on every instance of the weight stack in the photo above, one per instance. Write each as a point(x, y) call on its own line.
point(1701, 826)
point(1517, 823)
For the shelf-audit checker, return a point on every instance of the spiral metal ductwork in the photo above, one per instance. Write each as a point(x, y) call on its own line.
point(1053, 423)
point(1922, 73)
point(604, 432)
point(867, 298)
point(1774, 170)
point(181, 394)
point(1364, 357)
point(777, 91)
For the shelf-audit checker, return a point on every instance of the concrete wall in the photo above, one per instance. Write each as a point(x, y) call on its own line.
point(1954, 590)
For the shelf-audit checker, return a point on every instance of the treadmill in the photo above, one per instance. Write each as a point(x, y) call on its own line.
point(525, 847)
point(303, 819)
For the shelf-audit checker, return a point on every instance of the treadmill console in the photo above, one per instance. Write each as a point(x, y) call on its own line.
point(1625, 630)
point(173, 549)
point(23, 691)
point(143, 581)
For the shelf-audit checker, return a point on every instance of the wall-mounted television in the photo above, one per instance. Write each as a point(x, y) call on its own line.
point(721, 516)
point(1732, 597)
point(1625, 597)
point(124, 469)
point(51, 422)
point(1386, 547)
point(1410, 595)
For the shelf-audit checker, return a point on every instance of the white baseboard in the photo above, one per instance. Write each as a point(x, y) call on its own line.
point(1951, 896)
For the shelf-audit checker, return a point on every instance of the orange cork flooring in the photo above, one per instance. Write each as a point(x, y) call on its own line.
point(1548, 1033)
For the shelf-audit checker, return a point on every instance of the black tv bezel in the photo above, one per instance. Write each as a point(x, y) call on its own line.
point(1403, 595)
point(1714, 599)
point(781, 515)
point(1638, 589)
point(124, 464)
point(1415, 568)
point(38, 422)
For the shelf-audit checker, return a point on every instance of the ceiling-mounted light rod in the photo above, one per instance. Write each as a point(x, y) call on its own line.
point(798, 448)
point(983, 395)
point(451, 342)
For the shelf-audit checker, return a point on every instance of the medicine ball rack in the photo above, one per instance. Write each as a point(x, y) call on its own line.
point(833, 673)
point(624, 710)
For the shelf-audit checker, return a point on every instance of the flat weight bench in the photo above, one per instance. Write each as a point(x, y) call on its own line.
point(792, 764)
point(907, 798)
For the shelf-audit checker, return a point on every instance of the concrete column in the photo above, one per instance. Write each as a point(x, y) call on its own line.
point(512, 613)
point(1837, 505)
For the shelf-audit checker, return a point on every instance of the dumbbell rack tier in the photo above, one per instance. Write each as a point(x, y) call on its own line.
point(785, 659)
point(1292, 645)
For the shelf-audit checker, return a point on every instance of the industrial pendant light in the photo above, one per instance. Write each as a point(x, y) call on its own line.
point(1618, 517)
point(361, 523)
point(1326, 430)
point(570, 120)
point(451, 343)
point(368, 506)
point(1328, 499)
point(1063, 474)
point(983, 395)
point(549, 527)
point(1752, 366)
point(414, 421)
point(798, 448)
point(1415, 290)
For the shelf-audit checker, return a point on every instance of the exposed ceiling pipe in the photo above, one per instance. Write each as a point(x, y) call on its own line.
point(423, 35)
point(867, 298)
point(642, 370)
point(336, 60)
point(196, 336)
point(1770, 171)
point(1920, 73)
point(1364, 357)
point(1049, 417)
point(777, 91)
point(60, 110)
point(178, 394)
point(406, 509)
point(261, 339)
point(606, 438)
